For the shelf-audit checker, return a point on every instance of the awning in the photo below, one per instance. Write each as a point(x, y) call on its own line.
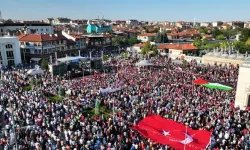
point(35, 59)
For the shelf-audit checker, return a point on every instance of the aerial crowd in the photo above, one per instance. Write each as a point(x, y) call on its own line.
point(30, 120)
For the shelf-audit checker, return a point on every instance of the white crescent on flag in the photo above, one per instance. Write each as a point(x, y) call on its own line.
point(188, 139)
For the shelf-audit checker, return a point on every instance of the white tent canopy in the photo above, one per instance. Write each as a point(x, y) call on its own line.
point(35, 71)
point(77, 58)
point(144, 63)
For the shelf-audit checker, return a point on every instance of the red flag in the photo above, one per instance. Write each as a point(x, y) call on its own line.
point(172, 133)
point(200, 81)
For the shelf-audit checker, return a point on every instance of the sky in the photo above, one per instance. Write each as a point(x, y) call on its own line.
point(144, 10)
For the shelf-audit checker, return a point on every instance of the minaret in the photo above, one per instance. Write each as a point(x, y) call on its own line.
point(1, 19)
point(194, 22)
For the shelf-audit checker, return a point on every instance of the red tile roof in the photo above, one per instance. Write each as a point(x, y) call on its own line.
point(208, 36)
point(147, 34)
point(139, 45)
point(177, 46)
point(41, 37)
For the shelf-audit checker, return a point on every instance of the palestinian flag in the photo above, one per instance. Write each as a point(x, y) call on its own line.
point(210, 85)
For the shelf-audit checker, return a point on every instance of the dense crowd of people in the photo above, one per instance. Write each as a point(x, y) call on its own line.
point(167, 89)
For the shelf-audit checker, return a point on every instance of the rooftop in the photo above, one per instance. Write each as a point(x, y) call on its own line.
point(147, 34)
point(41, 37)
point(185, 46)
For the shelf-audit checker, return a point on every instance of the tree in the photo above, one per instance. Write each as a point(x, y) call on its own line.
point(185, 63)
point(161, 37)
point(156, 30)
point(149, 48)
point(164, 37)
point(203, 30)
point(132, 41)
point(197, 42)
point(146, 48)
point(248, 42)
point(245, 34)
point(205, 41)
point(241, 46)
point(216, 32)
point(153, 39)
point(158, 37)
point(105, 57)
point(44, 64)
point(220, 37)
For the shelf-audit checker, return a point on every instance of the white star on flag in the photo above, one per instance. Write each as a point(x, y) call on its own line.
point(165, 133)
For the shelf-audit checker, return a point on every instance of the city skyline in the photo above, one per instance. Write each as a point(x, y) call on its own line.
point(123, 10)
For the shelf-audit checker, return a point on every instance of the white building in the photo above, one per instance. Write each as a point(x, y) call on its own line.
point(80, 41)
point(205, 24)
point(146, 37)
point(217, 23)
point(242, 98)
point(138, 47)
point(9, 51)
point(132, 22)
point(11, 28)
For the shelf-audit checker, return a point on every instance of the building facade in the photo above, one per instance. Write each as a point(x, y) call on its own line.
point(95, 28)
point(9, 51)
point(242, 98)
point(34, 47)
point(146, 37)
point(78, 39)
point(31, 27)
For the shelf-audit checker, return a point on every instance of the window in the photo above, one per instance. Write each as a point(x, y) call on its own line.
point(8, 46)
point(9, 54)
point(62, 48)
point(47, 30)
point(22, 43)
point(11, 62)
point(41, 29)
point(35, 51)
point(1, 30)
